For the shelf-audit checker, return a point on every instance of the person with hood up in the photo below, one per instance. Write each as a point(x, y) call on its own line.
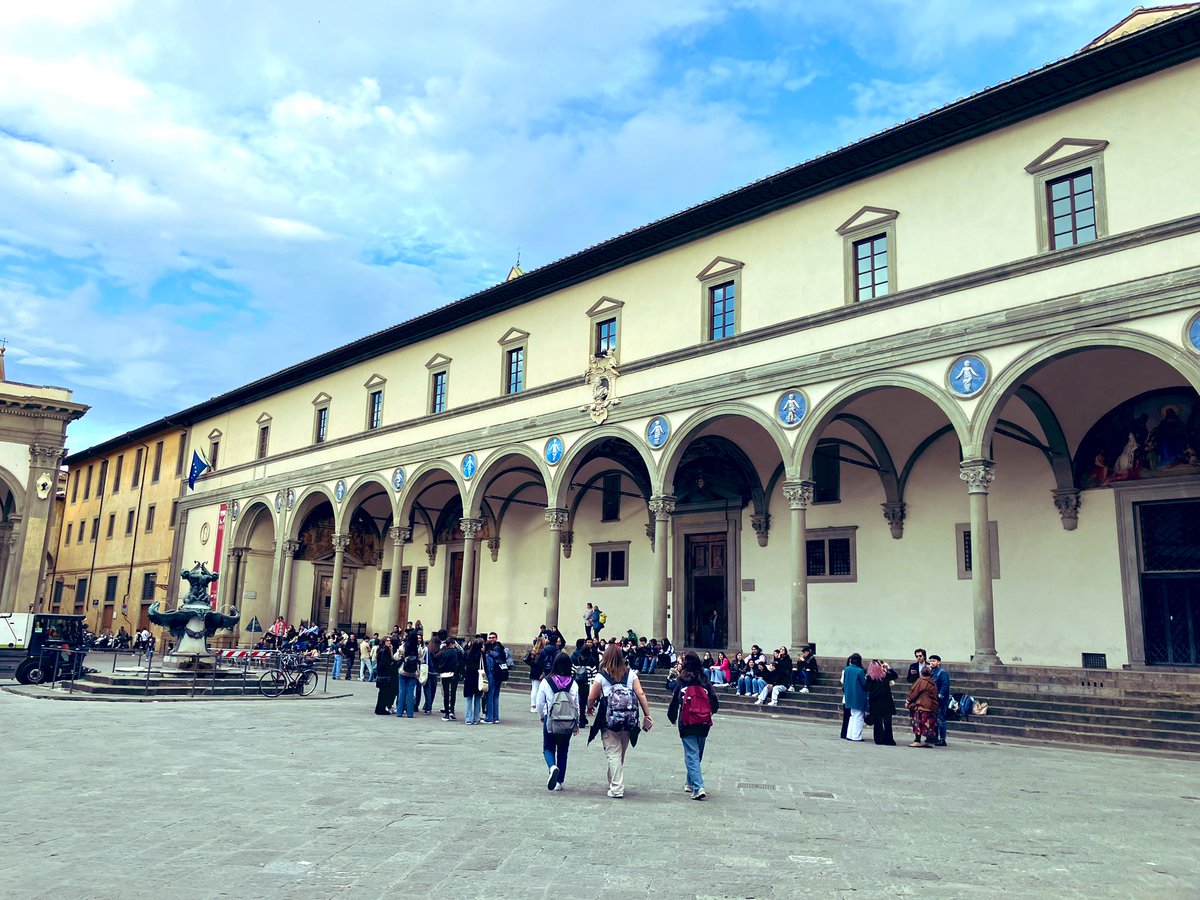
point(558, 708)
point(692, 706)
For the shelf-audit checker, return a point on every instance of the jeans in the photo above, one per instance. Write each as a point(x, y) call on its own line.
point(430, 691)
point(744, 684)
point(717, 675)
point(773, 690)
point(757, 684)
point(406, 701)
point(941, 725)
point(371, 674)
point(492, 712)
point(474, 705)
point(693, 755)
point(554, 751)
point(615, 744)
point(364, 669)
point(337, 666)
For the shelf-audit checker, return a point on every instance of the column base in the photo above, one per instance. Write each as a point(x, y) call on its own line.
point(985, 659)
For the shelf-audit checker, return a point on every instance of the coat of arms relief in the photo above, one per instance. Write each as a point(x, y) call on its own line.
point(601, 376)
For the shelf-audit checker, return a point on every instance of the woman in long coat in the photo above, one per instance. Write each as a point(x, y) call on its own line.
point(471, 692)
point(385, 678)
point(923, 705)
point(880, 704)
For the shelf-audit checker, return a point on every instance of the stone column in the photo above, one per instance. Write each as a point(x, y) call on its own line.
point(978, 475)
point(6, 544)
point(234, 597)
point(556, 518)
point(340, 543)
point(391, 611)
point(799, 496)
point(662, 506)
point(285, 591)
point(467, 609)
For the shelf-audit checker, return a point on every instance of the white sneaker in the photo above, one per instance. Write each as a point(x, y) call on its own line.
point(773, 703)
point(533, 709)
point(758, 702)
point(699, 795)
point(615, 796)
point(558, 787)
point(552, 781)
point(804, 690)
point(688, 788)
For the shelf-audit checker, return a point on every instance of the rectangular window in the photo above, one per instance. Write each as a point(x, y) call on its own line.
point(129, 523)
point(148, 584)
point(722, 319)
point(110, 588)
point(962, 534)
point(58, 591)
point(830, 555)
point(214, 450)
point(422, 581)
point(117, 474)
point(375, 409)
point(156, 472)
point(81, 587)
point(609, 567)
point(610, 504)
point(385, 582)
point(149, 518)
point(179, 455)
point(103, 482)
point(321, 427)
point(87, 485)
point(69, 525)
point(137, 469)
point(75, 488)
point(437, 393)
point(82, 530)
point(1071, 201)
point(264, 440)
point(515, 365)
point(871, 267)
point(827, 474)
point(606, 337)
point(174, 514)
point(112, 524)
point(405, 580)
point(95, 529)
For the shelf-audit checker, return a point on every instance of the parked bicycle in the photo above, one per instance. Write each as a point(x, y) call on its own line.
point(294, 674)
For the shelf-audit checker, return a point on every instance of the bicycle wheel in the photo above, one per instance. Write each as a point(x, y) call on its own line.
point(272, 683)
point(307, 683)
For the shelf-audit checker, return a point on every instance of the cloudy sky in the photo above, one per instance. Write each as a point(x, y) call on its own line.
point(193, 195)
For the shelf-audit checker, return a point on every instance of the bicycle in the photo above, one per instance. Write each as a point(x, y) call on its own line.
point(291, 675)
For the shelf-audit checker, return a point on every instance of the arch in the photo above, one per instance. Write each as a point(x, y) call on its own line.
point(14, 487)
point(828, 408)
point(487, 473)
point(304, 505)
point(561, 485)
point(248, 520)
point(351, 503)
point(413, 487)
point(677, 443)
point(983, 423)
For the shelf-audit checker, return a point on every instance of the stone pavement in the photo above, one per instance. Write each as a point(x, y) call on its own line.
point(293, 798)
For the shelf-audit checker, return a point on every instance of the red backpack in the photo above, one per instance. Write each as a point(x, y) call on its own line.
point(696, 708)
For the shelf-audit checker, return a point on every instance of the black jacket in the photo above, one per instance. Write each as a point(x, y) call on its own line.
point(879, 695)
point(783, 671)
point(684, 681)
point(448, 659)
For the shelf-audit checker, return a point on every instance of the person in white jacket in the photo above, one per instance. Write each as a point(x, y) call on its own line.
point(558, 708)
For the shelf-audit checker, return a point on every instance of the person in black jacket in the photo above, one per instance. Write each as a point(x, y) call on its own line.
point(914, 669)
point(689, 711)
point(807, 669)
point(385, 678)
point(779, 678)
point(448, 661)
point(880, 704)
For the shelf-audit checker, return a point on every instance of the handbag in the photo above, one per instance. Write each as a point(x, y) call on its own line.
point(423, 673)
point(483, 680)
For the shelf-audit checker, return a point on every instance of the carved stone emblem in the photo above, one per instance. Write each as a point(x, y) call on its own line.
point(601, 377)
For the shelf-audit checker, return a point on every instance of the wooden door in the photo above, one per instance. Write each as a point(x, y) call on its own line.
point(106, 618)
point(706, 591)
point(322, 601)
point(454, 592)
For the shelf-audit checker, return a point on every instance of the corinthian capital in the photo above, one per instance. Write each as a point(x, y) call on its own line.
point(978, 474)
point(662, 506)
point(341, 542)
point(556, 518)
point(400, 534)
point(799, 494)
point(470, 528)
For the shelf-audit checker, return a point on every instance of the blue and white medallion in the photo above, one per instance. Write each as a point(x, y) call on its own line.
point(339, 490)
point(469, 465)
point(791, 407)
point(967, 375)
point(657, 431)
point(398, 477)
point(554, 450)
point(1193, 333)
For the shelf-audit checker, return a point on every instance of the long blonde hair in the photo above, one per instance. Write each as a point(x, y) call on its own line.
point(538, 645)
point(614, 662)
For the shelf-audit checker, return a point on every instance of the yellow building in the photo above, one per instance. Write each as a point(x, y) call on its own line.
point(937, 387)
point(119, 514)
point(33, 425)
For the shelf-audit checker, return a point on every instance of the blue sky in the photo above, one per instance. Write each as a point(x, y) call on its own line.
point(193, 195)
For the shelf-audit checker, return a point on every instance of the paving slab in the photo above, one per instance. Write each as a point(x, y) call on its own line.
point(298, 799)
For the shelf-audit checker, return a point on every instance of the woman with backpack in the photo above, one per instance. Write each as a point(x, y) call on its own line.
point(692, 705)
point(385, 679)
point(432, 649)
point(620, 694)
point(408, 665)
point(558, 708)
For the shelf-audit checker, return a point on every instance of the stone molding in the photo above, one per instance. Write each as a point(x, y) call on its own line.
point(978, 474)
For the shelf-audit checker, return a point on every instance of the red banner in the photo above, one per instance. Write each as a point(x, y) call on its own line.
point(216, 566)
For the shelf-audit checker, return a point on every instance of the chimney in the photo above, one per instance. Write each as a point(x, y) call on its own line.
point(3, 345)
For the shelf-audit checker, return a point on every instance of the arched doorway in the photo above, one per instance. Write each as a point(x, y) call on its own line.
point(253, 569)
point(9, 517)
point(432, 511)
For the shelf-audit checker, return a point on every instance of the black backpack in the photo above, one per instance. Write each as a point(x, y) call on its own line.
point(410, 665)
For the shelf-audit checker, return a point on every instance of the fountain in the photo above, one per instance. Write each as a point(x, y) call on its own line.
point(193, 621)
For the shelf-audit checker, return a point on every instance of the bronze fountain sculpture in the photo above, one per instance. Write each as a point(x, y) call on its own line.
point(194, 620)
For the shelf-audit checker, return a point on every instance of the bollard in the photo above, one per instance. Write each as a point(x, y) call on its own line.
point(146, 691)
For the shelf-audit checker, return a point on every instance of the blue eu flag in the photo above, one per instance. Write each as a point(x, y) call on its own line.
point(198, 467)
